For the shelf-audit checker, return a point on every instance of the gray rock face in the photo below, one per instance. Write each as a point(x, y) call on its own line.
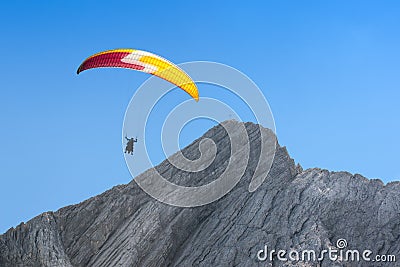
point(292, 210)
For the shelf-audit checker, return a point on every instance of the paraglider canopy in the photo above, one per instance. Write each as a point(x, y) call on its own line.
point(145, 62)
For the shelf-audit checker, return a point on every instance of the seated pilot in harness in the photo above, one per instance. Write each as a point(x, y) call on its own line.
point(129, 145)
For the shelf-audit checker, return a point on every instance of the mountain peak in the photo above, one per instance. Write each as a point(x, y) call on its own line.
point(291, 209)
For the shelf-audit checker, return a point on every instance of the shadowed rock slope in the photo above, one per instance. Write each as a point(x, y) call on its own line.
point(292, 209)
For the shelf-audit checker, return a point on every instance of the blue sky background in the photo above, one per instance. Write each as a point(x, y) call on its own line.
point(329, 69)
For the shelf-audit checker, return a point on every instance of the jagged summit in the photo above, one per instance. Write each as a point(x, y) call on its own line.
point(292, 209)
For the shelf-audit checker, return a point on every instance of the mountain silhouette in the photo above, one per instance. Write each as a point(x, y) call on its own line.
point(293, 209)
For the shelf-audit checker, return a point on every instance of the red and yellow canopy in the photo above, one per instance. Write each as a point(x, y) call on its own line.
point(145, 62)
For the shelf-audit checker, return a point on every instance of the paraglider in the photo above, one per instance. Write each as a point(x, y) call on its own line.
point(145, 62)
point(129, 145)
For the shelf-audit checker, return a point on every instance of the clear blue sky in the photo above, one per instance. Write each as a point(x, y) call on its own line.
point(329, 69)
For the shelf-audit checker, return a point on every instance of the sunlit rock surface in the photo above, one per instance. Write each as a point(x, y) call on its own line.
point(292, 209)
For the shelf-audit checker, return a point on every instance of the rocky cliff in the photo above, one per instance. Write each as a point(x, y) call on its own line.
point(294, 210)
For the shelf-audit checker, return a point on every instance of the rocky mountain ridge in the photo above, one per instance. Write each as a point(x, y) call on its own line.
point(293, 209)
